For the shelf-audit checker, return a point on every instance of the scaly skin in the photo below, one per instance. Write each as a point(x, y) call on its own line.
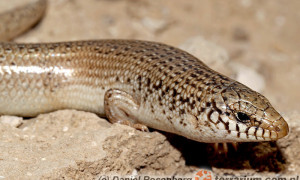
point(147, 83)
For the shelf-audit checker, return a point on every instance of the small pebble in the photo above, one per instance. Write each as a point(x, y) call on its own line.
point(13, 121)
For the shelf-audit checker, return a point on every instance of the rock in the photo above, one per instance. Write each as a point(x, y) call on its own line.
point(13, 121)
point(79, 145)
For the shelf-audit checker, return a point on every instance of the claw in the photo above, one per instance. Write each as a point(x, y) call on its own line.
point(224, 149)
point(234, 145)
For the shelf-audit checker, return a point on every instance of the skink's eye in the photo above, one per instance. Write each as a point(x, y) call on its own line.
point(242, 117)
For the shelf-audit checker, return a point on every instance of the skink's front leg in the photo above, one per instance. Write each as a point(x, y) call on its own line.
point(120, 107)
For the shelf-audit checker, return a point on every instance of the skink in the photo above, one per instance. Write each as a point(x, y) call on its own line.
point(138, 83)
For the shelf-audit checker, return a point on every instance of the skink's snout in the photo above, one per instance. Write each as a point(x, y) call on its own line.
point(281, 128)
point(276, 129)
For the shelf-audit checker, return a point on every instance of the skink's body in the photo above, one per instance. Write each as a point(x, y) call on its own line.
point(134, 82)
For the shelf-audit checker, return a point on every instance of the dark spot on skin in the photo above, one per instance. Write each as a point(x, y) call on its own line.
point(167, 89)
point(148, 82)
point(194, 85)
point(182, 111)
point(186, 100)
point(151, 106)
point(218, 110)
point(199, 71)
point(218, 87)
point(170, 119)
point(109, 95)
point(139, 78)
point(227, 126)
point(209, 114)
point(198, 99)
point(193, 75)
point(174, 92)
point(237, 128)
point(157, 87)
point(255, 132)
point(181, 98)
point(208, 83)
point(193, 104)
point(202, 110)
point(181, 121)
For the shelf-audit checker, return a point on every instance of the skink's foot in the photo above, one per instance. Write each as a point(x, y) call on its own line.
point(223, 149)
point(141, 127)
point(137, 126)
point(120, 107)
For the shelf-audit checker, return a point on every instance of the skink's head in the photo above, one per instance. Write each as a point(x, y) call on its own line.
point(250, 116)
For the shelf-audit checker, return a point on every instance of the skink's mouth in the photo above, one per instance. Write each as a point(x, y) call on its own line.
point(267, 131)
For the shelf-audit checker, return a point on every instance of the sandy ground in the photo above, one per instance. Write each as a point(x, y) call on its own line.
point(255, 42)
